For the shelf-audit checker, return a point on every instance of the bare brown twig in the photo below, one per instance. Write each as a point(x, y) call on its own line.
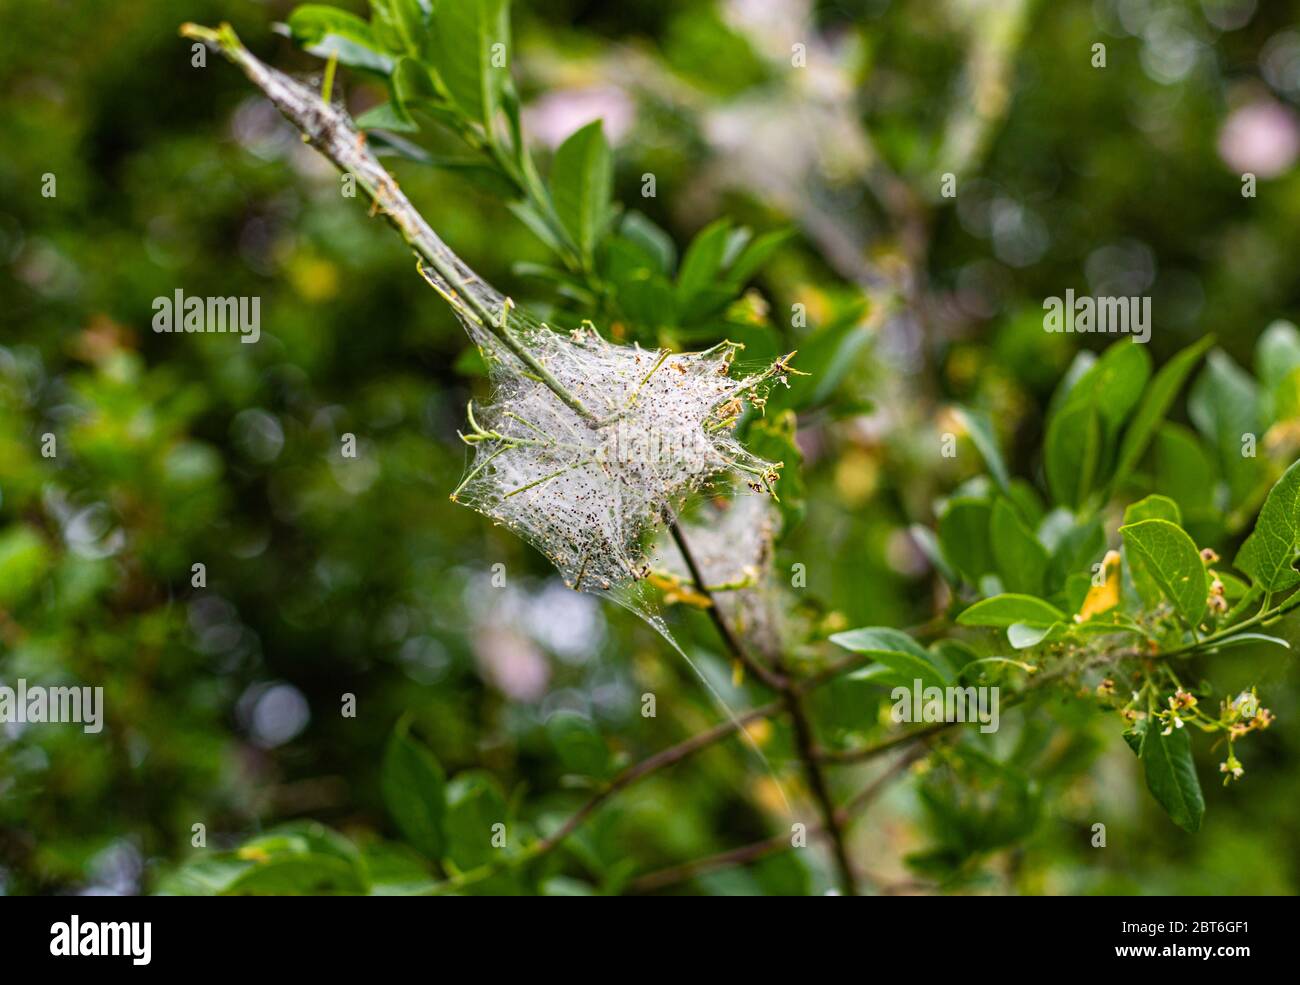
point(656, 762)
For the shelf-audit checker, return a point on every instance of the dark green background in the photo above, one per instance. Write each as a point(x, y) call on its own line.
point(325, 579)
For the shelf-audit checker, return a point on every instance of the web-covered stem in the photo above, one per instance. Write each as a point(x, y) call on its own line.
point(332, 132)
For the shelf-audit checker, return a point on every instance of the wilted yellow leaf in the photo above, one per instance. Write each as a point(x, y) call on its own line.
point(1104, 597)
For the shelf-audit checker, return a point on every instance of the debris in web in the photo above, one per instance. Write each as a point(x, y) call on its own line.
point(585, 448)
point(732, 542)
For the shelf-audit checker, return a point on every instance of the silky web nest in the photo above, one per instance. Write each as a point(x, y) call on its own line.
point(588, 480)
point(732, 542)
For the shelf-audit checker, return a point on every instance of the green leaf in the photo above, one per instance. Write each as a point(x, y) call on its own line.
point(564, 281)
point(964, 537)
point(1277, 353)
point(1006, 610)
point(1171, 775)
point(1023, 635)
point(1183, 471)
point(1021, 560)
point(929, 545)
point(414, 791)
point(582, 177)
point(324, 31)
point(648, 301)
point(300, 875)
point(897, 651)
point(1153, 507)
point(1174, 562)
point(474, 804)
point(981, 434)
point(1135, 735)
point(402, 25)
point(752, 258)
point(1027, 502)
point(25, 560)
point(954, 655)
point(1224, 406)
point(1241, 639)
point(386, 116)
point(464, 35)
point(1075, 547)
point(1072, 452)
point(1078, 371)
point(1110, 386)
point(413, 85)
point(386, 143)
point(579, 746)
point(538, 225)
point(656, 243)
point(1269, 553)
point(396, 870)
point(702, 264)
point(1156, 401)
point(301, 838)
point(1284, 402)
point(1114, 384)
point(203, 876)
point(1077, 587)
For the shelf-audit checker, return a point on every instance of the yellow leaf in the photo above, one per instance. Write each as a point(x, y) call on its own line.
point(1104, 597)
point(675, 590)
point(760, 731)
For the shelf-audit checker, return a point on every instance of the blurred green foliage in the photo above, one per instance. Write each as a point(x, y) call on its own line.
point(225, 703)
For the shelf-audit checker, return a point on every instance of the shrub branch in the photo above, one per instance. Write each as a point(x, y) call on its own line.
point(331, 132)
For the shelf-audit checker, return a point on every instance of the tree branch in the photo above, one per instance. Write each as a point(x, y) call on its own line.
point(777, 843)
point(626, 778)
point(777, 681)
point(805, 738)
point(331, 132)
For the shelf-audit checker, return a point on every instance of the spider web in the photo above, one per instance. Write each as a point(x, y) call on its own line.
point(591, 491)
point(732, 542)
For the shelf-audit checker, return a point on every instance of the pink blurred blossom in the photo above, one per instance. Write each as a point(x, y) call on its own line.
point(555, 115)
point(512, 663)
point(1260, 138)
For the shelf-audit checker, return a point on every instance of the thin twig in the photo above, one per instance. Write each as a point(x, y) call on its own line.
point(805, 738)
point(777, 843)
point(687, 747)
point(630, 775)
point(843, 756)
point(806, 743)
point(776, 681)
